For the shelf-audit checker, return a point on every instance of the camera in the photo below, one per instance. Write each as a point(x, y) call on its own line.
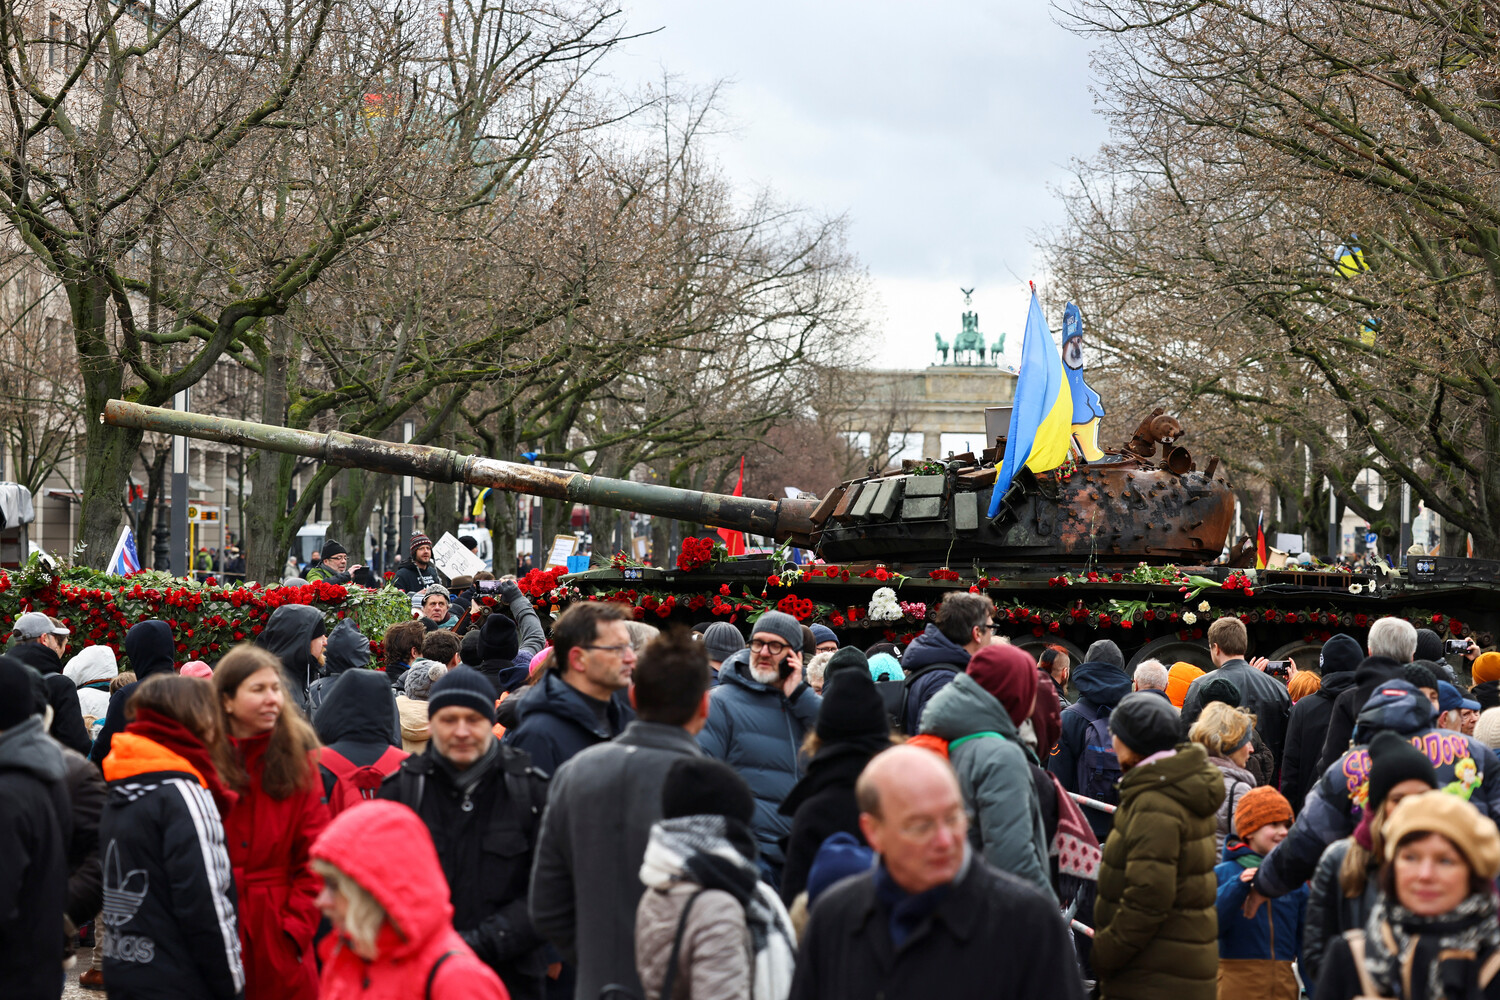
point(1279, 668)
point(1455, 647)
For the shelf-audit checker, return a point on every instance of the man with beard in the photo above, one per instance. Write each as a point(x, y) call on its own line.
point(417, 573)
point(757, 718)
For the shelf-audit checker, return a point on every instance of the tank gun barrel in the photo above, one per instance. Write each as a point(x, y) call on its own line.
point(782, 519)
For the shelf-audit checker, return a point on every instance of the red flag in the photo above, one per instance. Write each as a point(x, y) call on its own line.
point(1260, 541)
point(734, 541)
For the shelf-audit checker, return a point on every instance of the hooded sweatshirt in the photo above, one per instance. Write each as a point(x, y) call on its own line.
point(1100, 685)
point(357, 720)
point(150, 647)
point(1335, 804)
point(34, 828)
point(289, 634)
point(1346, 707)
point(930, 662)
point(67, 715)
point(1307, 726)
point(91, 671)
point(418, 934)
point(995, 778)
point(347, 649)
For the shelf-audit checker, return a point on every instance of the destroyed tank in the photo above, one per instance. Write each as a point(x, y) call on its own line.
point(1123, 508)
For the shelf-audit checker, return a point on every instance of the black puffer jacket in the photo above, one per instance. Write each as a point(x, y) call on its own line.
point(34, 878)
point(484, 826)
point(289, 633)
point(151, 650)
point(62, 694)
point(1306, 730)
point(358, 719)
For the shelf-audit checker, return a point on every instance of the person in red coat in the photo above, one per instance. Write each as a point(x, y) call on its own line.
point(272, 827)
point(393, 924)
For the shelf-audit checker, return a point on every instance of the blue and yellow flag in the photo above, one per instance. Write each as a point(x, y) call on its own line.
point(479, 503)
point(1041, 421)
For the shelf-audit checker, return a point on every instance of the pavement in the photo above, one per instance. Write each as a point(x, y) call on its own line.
point(72, 991)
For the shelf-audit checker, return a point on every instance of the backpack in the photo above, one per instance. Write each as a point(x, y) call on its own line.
point(1098, 768)
point(354, 784)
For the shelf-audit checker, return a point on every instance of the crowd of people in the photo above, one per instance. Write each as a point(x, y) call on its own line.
point(603, 810)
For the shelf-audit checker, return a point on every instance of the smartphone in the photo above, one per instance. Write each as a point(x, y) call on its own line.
point(784, 668)
point(1278, 668)
point(488, 586)
point(1453, 647)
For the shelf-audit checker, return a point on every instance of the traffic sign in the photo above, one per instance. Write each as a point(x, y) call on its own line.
point(1371, 538)
point(204, 513)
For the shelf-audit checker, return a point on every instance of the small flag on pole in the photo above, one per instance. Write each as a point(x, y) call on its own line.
point(124, 562)
point(734, 541)
point(479, 502)
point(1041, 420)
point(1260, 541)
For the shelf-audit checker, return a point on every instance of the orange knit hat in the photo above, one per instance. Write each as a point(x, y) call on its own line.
point(1179, 678)
point(1258, 807)
point(1486, 667)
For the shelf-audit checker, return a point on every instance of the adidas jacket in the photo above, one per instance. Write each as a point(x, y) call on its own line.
point(169, 906)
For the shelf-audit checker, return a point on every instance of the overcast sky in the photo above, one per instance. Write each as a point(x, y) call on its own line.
point(936, 129)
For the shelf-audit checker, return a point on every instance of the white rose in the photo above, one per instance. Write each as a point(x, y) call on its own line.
point(1189, 618)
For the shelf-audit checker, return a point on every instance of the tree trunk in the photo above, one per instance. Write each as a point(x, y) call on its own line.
point(109, 452)
point(500, 517)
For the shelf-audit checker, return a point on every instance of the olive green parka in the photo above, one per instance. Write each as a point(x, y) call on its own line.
point(1157, 933)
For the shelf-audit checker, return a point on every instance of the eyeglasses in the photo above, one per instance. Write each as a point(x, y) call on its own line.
point(762, 646)
point(992, 626)
point(617, 650)
point(924, 827)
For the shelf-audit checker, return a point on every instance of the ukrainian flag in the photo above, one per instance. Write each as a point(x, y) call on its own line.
point(1041, 421)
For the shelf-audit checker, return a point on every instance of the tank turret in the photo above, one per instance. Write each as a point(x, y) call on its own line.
point(1124, 507)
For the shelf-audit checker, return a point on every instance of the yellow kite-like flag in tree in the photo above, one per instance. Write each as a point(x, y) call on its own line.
point(1041, 421)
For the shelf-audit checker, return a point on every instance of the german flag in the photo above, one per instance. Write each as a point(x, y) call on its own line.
point(1260, 541)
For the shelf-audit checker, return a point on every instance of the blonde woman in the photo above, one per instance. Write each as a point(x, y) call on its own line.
point(1225, 733)
point(392, 922)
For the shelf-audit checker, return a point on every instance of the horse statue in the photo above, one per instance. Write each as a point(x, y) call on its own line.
point(942, 347)
point(997, 349)
point(970, 342)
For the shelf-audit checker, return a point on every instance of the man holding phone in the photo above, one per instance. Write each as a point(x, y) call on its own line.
point(757, 718)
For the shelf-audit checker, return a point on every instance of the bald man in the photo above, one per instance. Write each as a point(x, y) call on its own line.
point(931, 918)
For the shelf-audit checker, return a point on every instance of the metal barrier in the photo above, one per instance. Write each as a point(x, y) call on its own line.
point(1072, 907)
point(1087, 802)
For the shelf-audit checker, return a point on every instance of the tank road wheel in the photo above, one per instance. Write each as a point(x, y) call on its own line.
point(1169, 649)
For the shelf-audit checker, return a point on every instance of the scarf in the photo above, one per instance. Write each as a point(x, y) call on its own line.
point(907, 910)
point(175, 737)
point(1469, 927)
point(696, 850)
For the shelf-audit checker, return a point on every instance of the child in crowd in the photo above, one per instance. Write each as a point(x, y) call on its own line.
point(1256, 954)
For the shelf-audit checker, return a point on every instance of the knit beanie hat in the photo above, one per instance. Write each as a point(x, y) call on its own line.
point(1145, 722)
point(1222, 689)
point(1487, 729)
point(1429, 645)
point(465, 687)
point(1258, 807)
point(1105, 651)
point(1340, 654)
point(851, 708)
point(468, 649)
point(780, 624)
point(497, 638)
point(1486, 668)
point(884, 647)
point(417, 541)
point(15, 693)
point(417, 682)
point(1419, 676)
point(885, 667)
point(435, 589)
point(332, 548)
point(847, 658)
point(722, 640)
point(1393, 760)
point(823, 634)
point(196, 668)
point(841, 856)
point(1474, 834)
point(1009, 674)
point(1179, 679)
point(701, 786)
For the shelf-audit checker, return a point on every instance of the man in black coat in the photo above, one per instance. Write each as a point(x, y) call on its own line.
point(34, 833)
point(1307, 726)
point(1263, 695)
point(151, 650)
point(482, 803)
point(931, 918)
point(586, 884)
point(1391, 644)
point(507, 644)
point(40, 643)
point(417, 572)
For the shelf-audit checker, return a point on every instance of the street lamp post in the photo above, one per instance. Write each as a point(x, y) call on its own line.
point(408, 431)
point(182, 559)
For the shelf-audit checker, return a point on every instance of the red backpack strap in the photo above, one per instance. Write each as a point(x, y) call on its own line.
point(342, 767)
point(390, 760)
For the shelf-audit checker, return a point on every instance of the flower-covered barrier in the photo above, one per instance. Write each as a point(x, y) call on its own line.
point(207, 620)
point(1187, 612)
